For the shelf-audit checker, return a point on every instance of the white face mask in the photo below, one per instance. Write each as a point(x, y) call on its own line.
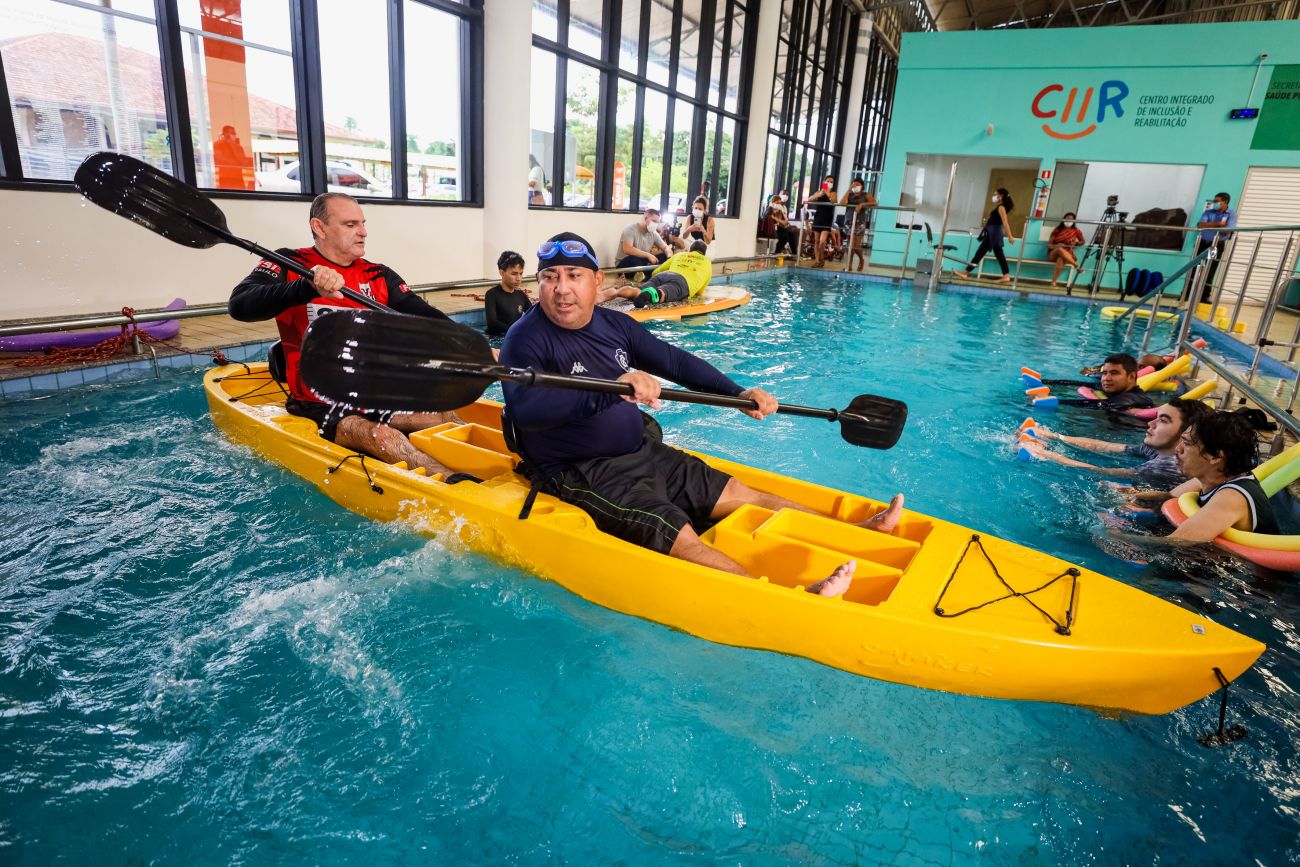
point(994, 200)
point(652, 225)
point(1069, 224)
point(699, 213)
point(857, 189)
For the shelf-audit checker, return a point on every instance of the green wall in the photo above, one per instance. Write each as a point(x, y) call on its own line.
point(951, 86)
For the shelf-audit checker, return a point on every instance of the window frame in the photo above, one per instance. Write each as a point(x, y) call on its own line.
point(309, 105)
point(705, 114)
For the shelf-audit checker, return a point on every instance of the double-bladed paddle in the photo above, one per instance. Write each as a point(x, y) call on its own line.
point(381, 361)
point(170, 207)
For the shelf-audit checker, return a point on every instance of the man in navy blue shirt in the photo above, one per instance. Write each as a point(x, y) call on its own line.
point(591, 449)
point(1217, 216)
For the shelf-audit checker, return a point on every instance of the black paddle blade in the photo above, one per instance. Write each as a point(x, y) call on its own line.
point(162, 204)
point(873, 421)
point(386, 361)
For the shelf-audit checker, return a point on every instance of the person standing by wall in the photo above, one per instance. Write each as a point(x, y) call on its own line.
point(859, 200)
point(1217, 216)
point(1060, 246)
point(822, 204)
point(996, 227)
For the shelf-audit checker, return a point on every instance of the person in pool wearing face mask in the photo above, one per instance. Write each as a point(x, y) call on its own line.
point(699, 224)
point(1217, 216)
point(641, 244)
point(1060, 246)
point(859, 200)
point(591, 449)
point(995, 228)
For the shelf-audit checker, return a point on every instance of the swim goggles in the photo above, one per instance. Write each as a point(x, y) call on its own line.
point(568, 248)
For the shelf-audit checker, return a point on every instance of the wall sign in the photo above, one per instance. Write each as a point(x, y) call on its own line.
point(1278, 128)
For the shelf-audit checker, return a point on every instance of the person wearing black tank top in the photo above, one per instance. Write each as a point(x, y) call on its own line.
point(996, 227)
point(1217, 454)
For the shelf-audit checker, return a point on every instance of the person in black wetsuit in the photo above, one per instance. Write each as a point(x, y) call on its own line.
point(1217, 454)
point(1119, 376)
point(995, 228)
point(591, 449)
point(504, 304)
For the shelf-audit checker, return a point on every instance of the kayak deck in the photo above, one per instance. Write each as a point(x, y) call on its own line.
point(1121, 648)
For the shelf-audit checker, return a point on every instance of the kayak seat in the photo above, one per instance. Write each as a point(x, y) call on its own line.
point(467, 448)
point(795, 549)
point(275, 363)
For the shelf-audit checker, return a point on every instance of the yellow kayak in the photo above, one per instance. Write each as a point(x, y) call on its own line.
point(714, 299)
point(1086, 639)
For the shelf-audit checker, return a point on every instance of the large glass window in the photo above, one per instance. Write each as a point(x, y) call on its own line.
point(434, 165)
point(83, 80)
point(813, 62)
point(221, 99)
point(671, 72)
point(239, 78)
point(355, 97)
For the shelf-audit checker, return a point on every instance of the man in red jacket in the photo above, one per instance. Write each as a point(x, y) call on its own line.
point(338, 228)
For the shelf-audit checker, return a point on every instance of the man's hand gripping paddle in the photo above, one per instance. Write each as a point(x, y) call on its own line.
point(381, 361)
point(172, 208)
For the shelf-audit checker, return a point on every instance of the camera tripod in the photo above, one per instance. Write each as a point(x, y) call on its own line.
point(1115, 250)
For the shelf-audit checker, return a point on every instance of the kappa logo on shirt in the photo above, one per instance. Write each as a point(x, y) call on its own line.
point(578, 368)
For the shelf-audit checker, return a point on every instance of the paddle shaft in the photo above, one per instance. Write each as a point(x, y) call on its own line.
point(283, 261)
point(529, 377)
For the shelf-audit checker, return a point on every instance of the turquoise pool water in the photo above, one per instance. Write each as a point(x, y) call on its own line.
point(203, 661)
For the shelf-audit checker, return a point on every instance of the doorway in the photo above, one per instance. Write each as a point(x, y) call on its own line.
point(1020, 184)
point(1271, 198)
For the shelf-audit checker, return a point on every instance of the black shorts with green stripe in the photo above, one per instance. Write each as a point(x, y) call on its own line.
point(645, 496)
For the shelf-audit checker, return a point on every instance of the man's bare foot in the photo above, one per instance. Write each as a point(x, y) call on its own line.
point(837, 582)
point(886, 520)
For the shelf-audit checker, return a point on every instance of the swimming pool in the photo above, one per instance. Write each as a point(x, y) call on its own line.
point(204, 660)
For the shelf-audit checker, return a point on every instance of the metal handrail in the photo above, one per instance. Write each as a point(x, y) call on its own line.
point(37, 326)
point(1221, 371)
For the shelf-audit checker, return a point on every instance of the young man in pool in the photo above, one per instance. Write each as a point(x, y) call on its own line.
point(591, 449)
point(338, 229)
point(1159, 468)
point(683, 276)
point(1119, 376)
point(1217, 454)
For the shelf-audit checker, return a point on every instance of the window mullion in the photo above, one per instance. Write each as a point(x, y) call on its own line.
point(175, 98)
point(11, 164)
point(397, 94)
point(305, 24)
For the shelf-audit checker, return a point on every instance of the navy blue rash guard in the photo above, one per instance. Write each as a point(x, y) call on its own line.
point(560, 427)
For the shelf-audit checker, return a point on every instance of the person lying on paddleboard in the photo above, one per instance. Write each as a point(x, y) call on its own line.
point(683, 276)
point(591, 449)
point(1159, 468)
point(1217, 455)
point(338, 229)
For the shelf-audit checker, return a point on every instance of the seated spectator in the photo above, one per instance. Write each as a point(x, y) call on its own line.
point(642, 245)
point(1159, 468)
point(786, 235)
point(1060, 246)
point(699, 224)
point(1217, 454)
point(505, 303)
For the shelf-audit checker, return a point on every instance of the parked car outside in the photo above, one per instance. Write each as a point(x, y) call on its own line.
point(342, 177)
point(676, 204)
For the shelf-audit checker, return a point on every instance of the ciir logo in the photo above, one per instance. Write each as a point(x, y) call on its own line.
point(1070, 114)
